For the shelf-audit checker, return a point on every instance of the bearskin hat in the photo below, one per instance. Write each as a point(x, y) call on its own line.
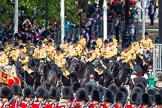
point(124, 90)
point(41, 92)
point(121, 97)
point(16, 89)
point(152, 93)
point(102, 90)
point(67, 93)
point(138, 90)
point(109, 96)
point(158, 99)
point(75, 86)
point(146, 99)
point(113, 88)
point(82, 95)
point(5, 93)
point(96, 95)
point(135, 98)
point(28, 92)
point(141, 85)
point(53, 93)
point(89, 88)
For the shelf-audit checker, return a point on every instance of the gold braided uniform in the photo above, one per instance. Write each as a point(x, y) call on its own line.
point(50, 50)
point(63, 46)
point(39, 53)
point(82, 41)
point(45, 41)
point(7, 49)
point(14, 54)
point(99, 42)
point(147, 44)
point(3, 59)
point(91, 55)
point(136, 47)
point(28, 45)
point(115, 42)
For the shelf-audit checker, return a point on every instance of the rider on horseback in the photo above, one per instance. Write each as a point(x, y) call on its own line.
point(3, 58)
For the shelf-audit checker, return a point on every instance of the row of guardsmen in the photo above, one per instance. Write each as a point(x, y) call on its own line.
point(77, 97)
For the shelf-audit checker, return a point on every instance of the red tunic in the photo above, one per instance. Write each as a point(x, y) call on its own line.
point(16, 104)
point(13, 80)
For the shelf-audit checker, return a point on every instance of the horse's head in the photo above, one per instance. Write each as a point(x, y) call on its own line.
point(75, 65)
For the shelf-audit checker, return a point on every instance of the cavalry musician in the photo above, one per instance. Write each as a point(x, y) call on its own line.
point(135, 45)
point(128, 55)
point(29, 43)
point(6, 46)
point(108, 49)
point(39, 52)
point(50, 50)
point(91, 55)
point(14, 54)
point(147, 43)
point(111, 36)
point(64, 45)
point(47, 37)
point(3, 58)
point(23, 58)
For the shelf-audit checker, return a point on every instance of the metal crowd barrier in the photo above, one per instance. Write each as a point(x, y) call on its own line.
point(157, 60)
point(96, 28)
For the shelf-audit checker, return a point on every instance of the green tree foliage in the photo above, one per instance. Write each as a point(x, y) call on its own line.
point(37, 9)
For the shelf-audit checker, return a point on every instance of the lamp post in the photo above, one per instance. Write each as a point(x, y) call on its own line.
point(46, 14)
point(16, 17)
point(105, 20)
point(160, 21)
point(143, 18)
point(62, 14)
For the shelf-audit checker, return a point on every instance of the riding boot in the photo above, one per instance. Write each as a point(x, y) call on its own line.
point(60, 77)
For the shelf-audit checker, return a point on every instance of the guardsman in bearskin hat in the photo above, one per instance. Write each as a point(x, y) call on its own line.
point(28, 94)
point(6, 46)
point(67, 97)
point(158, 101)
point(42, 95)
point(134, 100)
point(114, 89)
point(75, 86)
point(146, 100)
point(120, 100)
point(14, 54)
point(147, 43)
point(17, 92)
point(90, 86)
point(108, 100)
point(96, 98)
point(82, 98)
point(6, 96)
point(3, 58)
point(50, 50)
point(40, 52)
point(53, 96)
